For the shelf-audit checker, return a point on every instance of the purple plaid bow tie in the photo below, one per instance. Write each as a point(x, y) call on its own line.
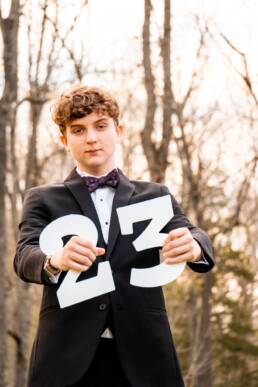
point(110, 180)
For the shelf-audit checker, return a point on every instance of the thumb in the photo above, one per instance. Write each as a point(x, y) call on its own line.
point(100, 251)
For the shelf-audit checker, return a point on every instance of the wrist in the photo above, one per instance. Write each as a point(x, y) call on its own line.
point(197, 252)
point(49, 267)
point(53, 262)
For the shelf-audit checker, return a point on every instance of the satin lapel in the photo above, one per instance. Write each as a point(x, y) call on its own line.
point(122, 196)
point(77, 187)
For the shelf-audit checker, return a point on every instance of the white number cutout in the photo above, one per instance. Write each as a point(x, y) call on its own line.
point(71, 292)
point(160, 210)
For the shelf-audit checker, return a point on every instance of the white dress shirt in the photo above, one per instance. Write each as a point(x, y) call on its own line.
point(102, 198)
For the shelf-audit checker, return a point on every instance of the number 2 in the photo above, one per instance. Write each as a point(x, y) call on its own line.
point(71, 292)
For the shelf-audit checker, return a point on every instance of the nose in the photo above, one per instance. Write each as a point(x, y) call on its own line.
point(91, 136)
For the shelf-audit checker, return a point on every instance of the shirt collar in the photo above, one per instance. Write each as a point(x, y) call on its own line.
point(83, 173)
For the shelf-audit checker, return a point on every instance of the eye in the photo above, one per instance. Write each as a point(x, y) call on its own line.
point(101, 126)
point(77, 130)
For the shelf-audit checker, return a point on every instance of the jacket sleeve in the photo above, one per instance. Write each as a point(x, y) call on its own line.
point(29, 259)
point(180, 220)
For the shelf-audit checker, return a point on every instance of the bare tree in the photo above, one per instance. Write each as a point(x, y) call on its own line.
point(244, 73)
point(9, 30)
point(156, 154)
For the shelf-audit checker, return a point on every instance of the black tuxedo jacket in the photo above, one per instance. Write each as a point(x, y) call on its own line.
point(67, 339)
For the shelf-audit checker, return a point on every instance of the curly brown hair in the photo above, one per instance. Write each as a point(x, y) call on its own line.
point(81, 101)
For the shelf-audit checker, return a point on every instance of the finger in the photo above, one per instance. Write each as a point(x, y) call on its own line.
point(79, 249)
point(174, 234)
point(81, 259)
point(176, 243)
point(100, 251)
point(188, 257)
point(86, 243)
point(186, 248)
point(76, 266)
point(178, 232)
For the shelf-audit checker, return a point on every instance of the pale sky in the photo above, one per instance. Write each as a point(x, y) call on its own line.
point(112, 29)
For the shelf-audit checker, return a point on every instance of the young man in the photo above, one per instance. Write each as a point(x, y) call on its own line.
point(121, 338)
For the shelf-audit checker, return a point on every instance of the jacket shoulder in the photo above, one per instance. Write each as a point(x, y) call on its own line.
point(142, 186)
point(44, 188)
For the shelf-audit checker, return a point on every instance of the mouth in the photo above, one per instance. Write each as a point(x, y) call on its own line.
point(92, 151)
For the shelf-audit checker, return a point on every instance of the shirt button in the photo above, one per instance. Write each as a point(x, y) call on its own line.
point(101, 200)
point(106, 222)
point(102, 306)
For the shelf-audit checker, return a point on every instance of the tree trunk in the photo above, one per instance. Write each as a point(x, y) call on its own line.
point(32, 172)
point(22, 320)
point(3, 347)
point(9, 30)
point(157, 153)
point(203, 377)
point(23, 315)
point(149, 81)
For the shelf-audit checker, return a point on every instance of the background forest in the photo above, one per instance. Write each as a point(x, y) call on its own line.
point(185, 75)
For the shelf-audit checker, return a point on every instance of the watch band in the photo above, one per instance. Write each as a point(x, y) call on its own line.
point(50, 269)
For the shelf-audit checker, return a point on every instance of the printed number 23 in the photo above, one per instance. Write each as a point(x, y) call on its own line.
point(70, 292)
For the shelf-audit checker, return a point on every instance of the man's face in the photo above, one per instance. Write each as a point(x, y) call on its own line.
point(92, 141)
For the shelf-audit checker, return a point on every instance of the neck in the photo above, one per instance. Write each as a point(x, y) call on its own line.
point(95, 172)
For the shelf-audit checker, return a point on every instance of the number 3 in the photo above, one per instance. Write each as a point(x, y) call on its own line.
point(160, 210)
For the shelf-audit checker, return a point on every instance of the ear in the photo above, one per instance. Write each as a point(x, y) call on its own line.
point(63, 140)
point(120, 131)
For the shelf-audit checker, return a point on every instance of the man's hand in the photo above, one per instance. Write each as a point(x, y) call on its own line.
point(179, 246)
point(78, 254)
